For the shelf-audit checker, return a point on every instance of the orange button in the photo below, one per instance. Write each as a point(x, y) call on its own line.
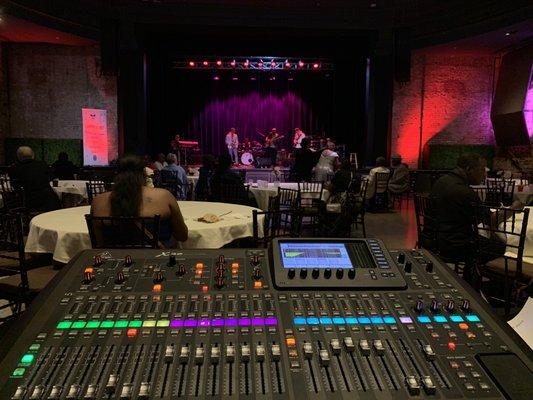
point(291, 342)
point(89, 270)
point(258, 285)
point(463, 326)
point(157, 287)
point(199, 265)
point(235, 265)
point(132, 332)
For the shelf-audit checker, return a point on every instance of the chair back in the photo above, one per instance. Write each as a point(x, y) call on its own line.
point(234, 193)
point(170, 181)
point(286, 199)
point(123, 232)
point(275, 223)
point(312, 187)
point(94, 188)
point(381, 182)
point(12, 240)
point(426, 227)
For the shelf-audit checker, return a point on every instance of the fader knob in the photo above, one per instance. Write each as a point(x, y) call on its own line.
point(408, 267)
point(351, 273)
point(339, 273)
point(303, 273)
point(315, 273)
point(73, 392)
point(97, 260)
point(327, 273)
point(219, 282)
point(111, 384)
point(19, 393)
point(128, 261)
point(88, 277)
point(144, 391)
point(401, 258)
point(221, 259)
point(120, 278)
point(419, 306)
point(171, 260)
point(434, 306)
point(158, 277)
point(429, 267)
point(450, 305)
point(181, 270)
point(465, 305)
point(254, 260)
point(257, 274)
point(291, 273)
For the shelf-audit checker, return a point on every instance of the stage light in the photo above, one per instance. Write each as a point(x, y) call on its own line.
point(234, 78)
point(301, 64)
point(272, 78)
point(273, 64)
point(219, 63)
point(260, 64)
point(246, 64)
point(192, 63)
point(233, 63)
point(205, 63)
point(316, 66)
point(216, 78)
point(287, 64)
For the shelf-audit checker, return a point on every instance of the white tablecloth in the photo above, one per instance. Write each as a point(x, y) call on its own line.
point(525, 196)
point(513, 240)
point(262, 194)
point(72, 187)
point(64, 232)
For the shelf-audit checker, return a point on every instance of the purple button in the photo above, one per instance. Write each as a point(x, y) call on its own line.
point(258, 321)
point(217, 322)
point(204, 322)
point(271, 321)
point(230, 322)
point(176, 323)
point(245, 321)
point(406, 320)
point(190, 323)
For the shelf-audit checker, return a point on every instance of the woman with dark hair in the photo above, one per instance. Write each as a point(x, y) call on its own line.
point(205, 172)
point(131, 198)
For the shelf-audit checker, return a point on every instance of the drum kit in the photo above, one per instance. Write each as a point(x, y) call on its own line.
point(248, 152)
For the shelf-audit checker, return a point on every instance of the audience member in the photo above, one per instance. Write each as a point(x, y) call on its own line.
point(178, 171)
point(304, 161)
point(399, 181)
point(342, 179)
point(34, 177)
point(203, 189)
point(160, 162)
point(223, 175)
point(381, 167)
point(130, 197)
point(63, 168)
point(453, 207)
point(327, 163)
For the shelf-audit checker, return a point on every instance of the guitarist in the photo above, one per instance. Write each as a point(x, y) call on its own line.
point(271, 146)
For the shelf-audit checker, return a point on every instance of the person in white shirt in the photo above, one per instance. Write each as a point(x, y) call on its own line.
point(381, 166)
point(297, 140)
point(160, 162)
point(232, 142)
point(327, 163)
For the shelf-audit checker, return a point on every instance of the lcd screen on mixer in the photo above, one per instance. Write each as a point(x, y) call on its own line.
point(315, 255)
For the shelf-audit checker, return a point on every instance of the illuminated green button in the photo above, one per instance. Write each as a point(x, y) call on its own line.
point(64, 325)
point(27, 359)
point(135, 324)
point(121, 324)
point(92, 324)
point(107, 324)
point(35, 347)
point(148, 324)
point(163, 323)
point(78, 325)
point(18, 372)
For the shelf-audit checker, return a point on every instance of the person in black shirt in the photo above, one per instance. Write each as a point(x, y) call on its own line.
point(225, 180)
point(34, 177)
point(304, 161)
point(63, 168)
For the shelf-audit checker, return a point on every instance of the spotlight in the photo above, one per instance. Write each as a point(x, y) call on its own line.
point(234, 78)
point(216, 78)
point(316, 66)
point(301, 64)
point(205, 63)
point(192, 63)
point(287, 64)
point(272, 78)
point(260, 64)
point(273, 64)
point(233, 63)
point(219, 63)
point(246, 64)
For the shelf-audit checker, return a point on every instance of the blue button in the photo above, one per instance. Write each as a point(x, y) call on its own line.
point(351, 320)
point(363, 320)
point(456, 318)
point(440, 319)
point(326, 321)
point(312, 321)
point(376, 320)
point(338, 321)
point(424, 320)
point(473, 318)
point(299, 321)
point(389, 320)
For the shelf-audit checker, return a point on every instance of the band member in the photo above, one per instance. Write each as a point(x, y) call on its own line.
point(271, 146)
point(232, 141)
point(297, 140)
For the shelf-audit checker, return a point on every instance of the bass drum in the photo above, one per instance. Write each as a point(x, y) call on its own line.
point(247, 158)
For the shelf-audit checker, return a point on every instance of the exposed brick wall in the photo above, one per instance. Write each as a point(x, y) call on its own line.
point(448, 100)
point(50, 84)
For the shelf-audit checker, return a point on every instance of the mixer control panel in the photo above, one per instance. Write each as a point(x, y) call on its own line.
point(152, 324)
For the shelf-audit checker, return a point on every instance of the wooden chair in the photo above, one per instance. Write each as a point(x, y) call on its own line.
point(13, 262)
point(311, 204)
point(286, 199)
point(510, 268)
point(124, 232)
point(359, 218)
point(233, 193)
point(94, 188)
point(276, 223)
point(380, 199)
point(425, 222)
point(170, 181)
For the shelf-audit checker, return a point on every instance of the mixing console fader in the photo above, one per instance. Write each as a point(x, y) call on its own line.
point(308, 319)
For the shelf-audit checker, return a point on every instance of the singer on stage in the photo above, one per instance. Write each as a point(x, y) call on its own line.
point(232, 141)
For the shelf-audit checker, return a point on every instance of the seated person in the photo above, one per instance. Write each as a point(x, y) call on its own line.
point(341, 181)
point(205, 172)
point(399, 181)
point(34, 177)
point(130, 197)
point(63, 168)
point(305, 160)
point(453, 207)
point(327, 162)
point(381, 167)
point(178, 172)
point(223, 175)
point(160, 162)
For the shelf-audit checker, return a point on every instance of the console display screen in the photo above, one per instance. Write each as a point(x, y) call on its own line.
point(314, 255)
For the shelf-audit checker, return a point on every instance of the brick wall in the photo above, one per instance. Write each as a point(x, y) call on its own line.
point(50, 84)
point(448, 100)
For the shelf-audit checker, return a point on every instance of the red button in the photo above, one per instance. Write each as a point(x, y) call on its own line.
point(205, 289)
point(132, 332)
point(451, 346)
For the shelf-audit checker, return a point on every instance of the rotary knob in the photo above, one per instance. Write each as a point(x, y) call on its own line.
point(408, 267)
point(97, 260)
point(327, 273)
point(315, 273)
point(303, 273)
point(339, 273)
point(291, 273)
point(171, 260)
point(419, 306)
point(465, 305)
point(88, 277)
point(120, 278)
point(181, 270)
point(219, 283)
point(434, 306)
point(401, 258)
point(128, 261)
point(351, 273)
point(255, 260)
point(429, 267)
point(158, 277)
point(450, 305)
point(257, 274)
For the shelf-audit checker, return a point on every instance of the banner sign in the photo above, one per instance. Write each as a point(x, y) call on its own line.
point(94, 136)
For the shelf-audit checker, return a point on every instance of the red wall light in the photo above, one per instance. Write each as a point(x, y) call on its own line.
point(205, 63)
point(316, 66)
point(219, 63)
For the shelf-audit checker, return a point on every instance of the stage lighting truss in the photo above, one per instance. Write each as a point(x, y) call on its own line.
point(253, 64)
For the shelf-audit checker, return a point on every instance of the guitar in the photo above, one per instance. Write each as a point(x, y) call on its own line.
point(269, 141)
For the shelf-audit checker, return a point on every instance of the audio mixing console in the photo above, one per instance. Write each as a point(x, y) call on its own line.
point(308, 319)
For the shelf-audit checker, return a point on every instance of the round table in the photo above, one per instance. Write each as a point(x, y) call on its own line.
point(262, 194)
point(72, 187)
point(64, 232)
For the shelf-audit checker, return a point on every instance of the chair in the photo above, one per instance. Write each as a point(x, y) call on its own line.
point(425, 222)
point(494, 192)
point(234, 193)
point(511, 226)
point(169, 180)
point(311, 204)
point(13, 263)
point(124, 232)
point(276, 223)
point(94, 188)
point(380, 200)
point(286, 199)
